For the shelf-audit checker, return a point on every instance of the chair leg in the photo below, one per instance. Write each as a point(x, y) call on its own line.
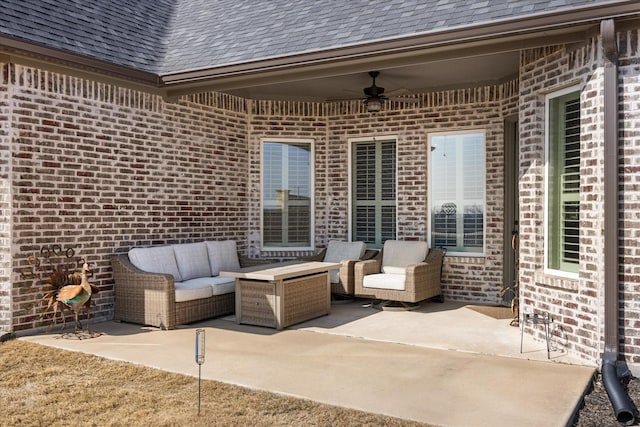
point(341, 298)
point(438, 298)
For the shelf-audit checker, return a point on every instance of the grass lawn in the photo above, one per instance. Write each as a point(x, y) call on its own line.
point(45, 386)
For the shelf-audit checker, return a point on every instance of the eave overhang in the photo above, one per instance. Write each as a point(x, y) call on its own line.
point(561, 27)
point(30, 53)
point(567, 26)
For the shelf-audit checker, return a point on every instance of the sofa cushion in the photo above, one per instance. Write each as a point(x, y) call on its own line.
point(158, 259)
point(384, 281)
point(398, 254)
point(191, 290)
point(219, 285)
point(223, 256)
point(338, 251)
point(193, 260)
point(223, 285)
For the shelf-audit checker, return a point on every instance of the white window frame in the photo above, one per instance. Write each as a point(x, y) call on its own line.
point(548, 98)
point(431, 181)
point(350, 143)
point(311, 142)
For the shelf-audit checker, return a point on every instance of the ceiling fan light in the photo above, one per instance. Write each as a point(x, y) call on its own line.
point(373, 105)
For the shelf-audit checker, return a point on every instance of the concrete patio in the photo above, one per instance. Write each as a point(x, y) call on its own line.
point(444, 364)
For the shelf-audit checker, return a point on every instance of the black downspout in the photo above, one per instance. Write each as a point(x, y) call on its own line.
point(622, 406)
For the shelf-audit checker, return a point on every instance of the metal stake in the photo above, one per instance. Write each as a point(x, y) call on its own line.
point(199, 360)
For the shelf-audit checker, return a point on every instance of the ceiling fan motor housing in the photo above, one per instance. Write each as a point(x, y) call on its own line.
point(373, 90)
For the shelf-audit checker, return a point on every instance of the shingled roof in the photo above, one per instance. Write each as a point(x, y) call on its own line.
point(168, 36)
point(122, 32)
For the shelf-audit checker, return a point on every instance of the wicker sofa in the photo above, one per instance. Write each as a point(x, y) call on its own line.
point(166, 286)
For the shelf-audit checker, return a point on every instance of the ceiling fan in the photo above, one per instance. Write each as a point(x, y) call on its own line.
point(374, 95)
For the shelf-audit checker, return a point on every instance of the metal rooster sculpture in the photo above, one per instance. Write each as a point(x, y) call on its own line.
point(76, 296)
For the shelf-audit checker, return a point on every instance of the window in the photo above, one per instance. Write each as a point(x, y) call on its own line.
point(287, 194)
point(373, 189)
point(457, 183)
point(563, 181)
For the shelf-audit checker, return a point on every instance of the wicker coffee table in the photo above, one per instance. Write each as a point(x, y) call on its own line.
point(279, 295)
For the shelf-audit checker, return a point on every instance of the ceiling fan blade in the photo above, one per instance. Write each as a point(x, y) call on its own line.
point(403, 99)
point(377, 92)
point(401, 91)
point(345, 99)
point(346, 95)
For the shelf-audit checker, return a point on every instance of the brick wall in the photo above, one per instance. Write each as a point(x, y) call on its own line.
point(577, 305)
point(629, 113)
point(5, 204)
point(102, 169)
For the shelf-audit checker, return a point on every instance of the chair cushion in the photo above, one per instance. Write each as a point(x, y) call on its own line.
point(193, 260)
point(338, 251)
point(158, 259)
point(334, 276)
point(384, 281)
point(398, 254)
point(223, 256)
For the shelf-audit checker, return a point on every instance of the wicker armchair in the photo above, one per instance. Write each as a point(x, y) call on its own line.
point(342, 283)
point(404, 272)
point(150, 299)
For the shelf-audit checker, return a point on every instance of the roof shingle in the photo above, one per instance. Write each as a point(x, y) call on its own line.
point(122, 32)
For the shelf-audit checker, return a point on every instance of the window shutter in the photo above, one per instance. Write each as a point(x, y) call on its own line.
point(570, 185)
point(387, 223)
point(388, 191)
point(563, 187)
point(365, 172)
point(374, 192)
point(388, 171)
point(365, 224)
